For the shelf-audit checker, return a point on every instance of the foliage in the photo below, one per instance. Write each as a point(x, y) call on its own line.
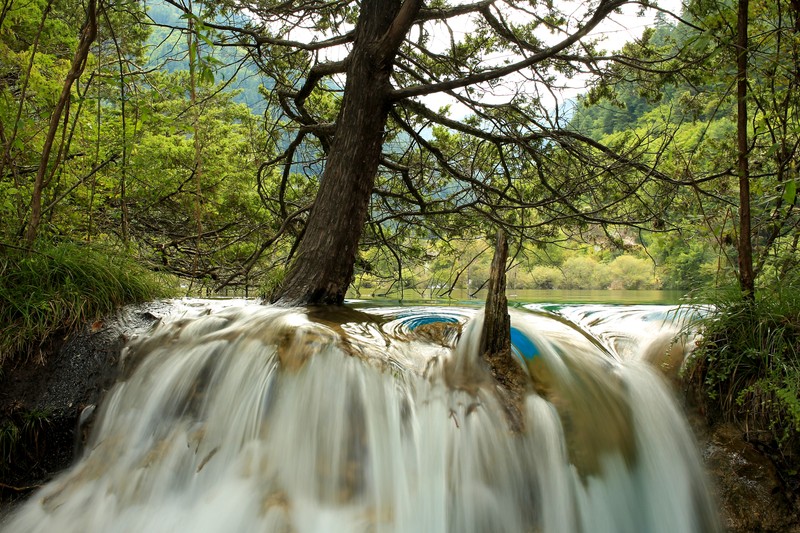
point(446, 269)
point(21, 435)
point(545, 277)
point(448, 176)
point(748, 363)
point(685, 260)
point(129, 161)
point(58, 288)
point(687, 101)
point(581, 272)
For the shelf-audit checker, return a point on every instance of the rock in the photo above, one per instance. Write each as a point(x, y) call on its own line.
point(751, 494)
point(43, 401)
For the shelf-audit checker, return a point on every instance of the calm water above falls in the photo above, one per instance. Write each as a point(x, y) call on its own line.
point(239, 417)
point(557, 296)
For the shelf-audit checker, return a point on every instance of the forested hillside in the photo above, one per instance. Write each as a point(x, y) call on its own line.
point(686, 110)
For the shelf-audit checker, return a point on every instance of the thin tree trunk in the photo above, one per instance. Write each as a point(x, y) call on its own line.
point(323, 266)
point(67, 135)
point(98, 125)
point(495, 344)
point(23, 93)
point(194, 55)
point(746, 277)
point(123, 178)
point(88, 34)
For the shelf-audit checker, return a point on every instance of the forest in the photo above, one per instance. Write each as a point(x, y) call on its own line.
point(297, 153)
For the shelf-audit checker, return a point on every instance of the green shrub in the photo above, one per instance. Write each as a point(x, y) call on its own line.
point(748, 364)
point(629, 272)
point(583, 272)
point(545, 277)
point(58, 288)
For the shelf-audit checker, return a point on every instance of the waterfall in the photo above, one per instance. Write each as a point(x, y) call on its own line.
point(237, 417)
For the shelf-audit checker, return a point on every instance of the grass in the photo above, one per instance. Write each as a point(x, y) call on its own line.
point(55, 290)
point(748, 365)
point(21, 431)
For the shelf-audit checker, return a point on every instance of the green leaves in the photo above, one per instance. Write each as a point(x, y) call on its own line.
point(60, 287)
point(790, 192)
point(747, 363)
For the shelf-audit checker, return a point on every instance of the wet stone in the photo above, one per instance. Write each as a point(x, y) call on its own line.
point(749, 489)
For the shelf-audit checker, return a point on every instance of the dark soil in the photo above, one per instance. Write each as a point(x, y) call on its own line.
point(41, 401)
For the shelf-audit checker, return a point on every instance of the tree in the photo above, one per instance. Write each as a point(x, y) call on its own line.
point(57, 58)
point(162, 196)
point(323, 266)
point(498, 163)
point(34, 52)
point(746, 276)
point(728, 108)
point(762, 73)
point(87, 36)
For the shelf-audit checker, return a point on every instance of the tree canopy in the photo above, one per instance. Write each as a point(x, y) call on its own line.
point(499, 156)
point(409, 130)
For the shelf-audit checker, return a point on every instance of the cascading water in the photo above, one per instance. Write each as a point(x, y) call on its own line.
point(252, 418)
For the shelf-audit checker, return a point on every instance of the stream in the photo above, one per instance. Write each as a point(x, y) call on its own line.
point(235, 417)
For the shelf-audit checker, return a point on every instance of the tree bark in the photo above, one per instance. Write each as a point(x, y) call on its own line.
point(496, 334)
point(88, 35)
point(193, 44)
point(745, 245)
point(323, 265)
point(513, 383)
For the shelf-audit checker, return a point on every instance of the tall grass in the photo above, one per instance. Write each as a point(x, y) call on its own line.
point(748, 364)
point(58, 288)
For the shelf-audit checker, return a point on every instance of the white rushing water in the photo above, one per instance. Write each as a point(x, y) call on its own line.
point(240, 417)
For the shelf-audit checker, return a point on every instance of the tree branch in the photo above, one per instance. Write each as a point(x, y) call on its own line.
point(603, 9)
point(394, 36)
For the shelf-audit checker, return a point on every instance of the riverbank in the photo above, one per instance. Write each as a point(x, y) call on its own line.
point(751, 493)
point(42, 402)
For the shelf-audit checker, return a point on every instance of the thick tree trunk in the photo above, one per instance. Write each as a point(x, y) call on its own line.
point(323, 265)
point(745, 245)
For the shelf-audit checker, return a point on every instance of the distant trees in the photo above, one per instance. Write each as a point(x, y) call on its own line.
point(729, 124)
